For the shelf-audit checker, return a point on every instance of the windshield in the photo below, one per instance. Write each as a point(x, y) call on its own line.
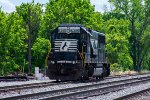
point(67, 36)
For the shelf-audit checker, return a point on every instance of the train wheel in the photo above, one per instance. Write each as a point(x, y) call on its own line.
point(86, 77)
point(101, 77)
point(104, 74)
point(57, 80)
point(90, 70)
point(48, 73)
point(97, 77)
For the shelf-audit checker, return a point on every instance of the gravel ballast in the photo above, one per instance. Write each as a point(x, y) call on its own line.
point(114, 95)
point(55, 87)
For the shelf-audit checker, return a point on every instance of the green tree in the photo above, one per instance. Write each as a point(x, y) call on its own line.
point(4, 38)
point(32, 15)
point(12, 45)
point(138, 13)
point(68, 11)
point(117, 35)
point(36, 14)
point(40, 49)
point(17, 46)
point(146, 52)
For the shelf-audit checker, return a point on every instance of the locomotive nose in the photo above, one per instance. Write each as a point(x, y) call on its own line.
point(65, 45)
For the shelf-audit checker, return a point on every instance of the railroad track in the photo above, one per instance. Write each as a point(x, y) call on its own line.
point(90, 92)
point(41, 84)
point(14, 78)
point(52, 83)
point(139, 95)
point(28, 86)
point(126, 75)
point(83, 91)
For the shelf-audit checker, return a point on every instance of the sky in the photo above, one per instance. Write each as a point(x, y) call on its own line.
point(9, 5)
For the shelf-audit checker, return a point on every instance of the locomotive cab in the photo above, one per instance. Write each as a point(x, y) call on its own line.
point(76, 53)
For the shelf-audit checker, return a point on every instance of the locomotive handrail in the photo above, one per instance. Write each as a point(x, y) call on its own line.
point(80, 54)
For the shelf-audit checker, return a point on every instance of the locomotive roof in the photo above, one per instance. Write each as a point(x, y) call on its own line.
point(88, 30)
point(70, 25)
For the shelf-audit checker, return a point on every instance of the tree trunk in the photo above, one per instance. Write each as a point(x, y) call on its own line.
point(138, 56)
point(140, 61)
point(133, 40)
point(29, 42)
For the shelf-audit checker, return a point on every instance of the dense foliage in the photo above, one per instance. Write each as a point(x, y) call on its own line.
point(127, 29)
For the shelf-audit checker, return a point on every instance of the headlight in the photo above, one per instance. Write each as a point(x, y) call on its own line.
point(73, 62)
point(52, 62)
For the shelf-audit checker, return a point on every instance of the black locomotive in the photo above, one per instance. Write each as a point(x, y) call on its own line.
point(77, 53)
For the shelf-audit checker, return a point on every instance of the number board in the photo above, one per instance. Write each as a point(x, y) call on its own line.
point(68, 30)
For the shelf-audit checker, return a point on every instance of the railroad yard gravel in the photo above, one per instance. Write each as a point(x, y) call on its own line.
point(128, 90)
point(56, 87)
point(3, 84)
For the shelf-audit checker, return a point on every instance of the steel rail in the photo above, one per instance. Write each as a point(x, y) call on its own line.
point(27, 86)
point(74, 89)
point(126, 75)
point(93, 92)
point(35, 85)
point(132, 95)
point(44, 84)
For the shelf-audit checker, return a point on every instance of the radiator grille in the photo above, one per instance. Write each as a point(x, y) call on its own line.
point(65, 45)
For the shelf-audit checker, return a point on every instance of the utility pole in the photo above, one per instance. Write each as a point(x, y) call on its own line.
point(29, 41)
